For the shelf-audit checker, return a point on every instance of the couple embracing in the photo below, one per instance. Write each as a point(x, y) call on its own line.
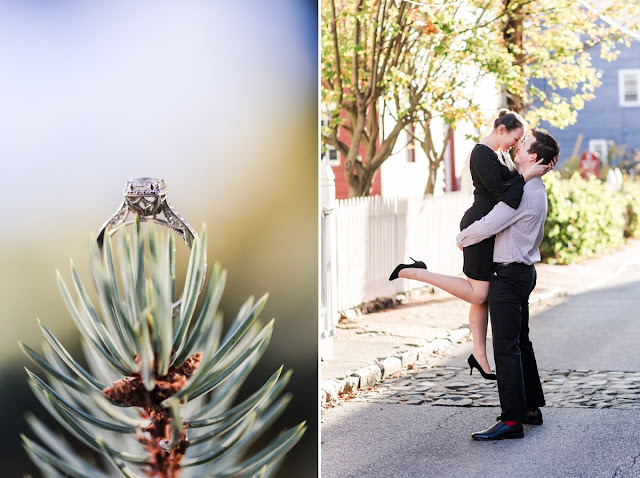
point(500, 239)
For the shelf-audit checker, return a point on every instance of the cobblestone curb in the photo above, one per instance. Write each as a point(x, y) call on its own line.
point(366, 377)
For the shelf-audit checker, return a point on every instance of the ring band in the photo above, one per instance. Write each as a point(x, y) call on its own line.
point(147, 197)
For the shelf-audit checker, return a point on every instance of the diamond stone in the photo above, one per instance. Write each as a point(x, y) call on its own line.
point(145, 187)
point(145, 196)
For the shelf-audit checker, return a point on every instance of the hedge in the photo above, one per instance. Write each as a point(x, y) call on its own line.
point(631, 191)
point(587, 217)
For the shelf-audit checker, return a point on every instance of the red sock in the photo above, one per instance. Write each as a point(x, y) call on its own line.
point(510, 423)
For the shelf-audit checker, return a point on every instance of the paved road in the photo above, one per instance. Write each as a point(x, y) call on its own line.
point(591, 336)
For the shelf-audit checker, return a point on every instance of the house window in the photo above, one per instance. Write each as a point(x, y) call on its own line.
point(629, 87)
point(331, 153)
point(601, 148)
point(411, 144)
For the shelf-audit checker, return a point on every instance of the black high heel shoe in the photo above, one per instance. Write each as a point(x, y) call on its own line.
point(415, 265)
point(474, 363)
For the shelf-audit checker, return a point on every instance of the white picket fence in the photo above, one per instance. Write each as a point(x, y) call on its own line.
point(374, 234)
point(363, 239)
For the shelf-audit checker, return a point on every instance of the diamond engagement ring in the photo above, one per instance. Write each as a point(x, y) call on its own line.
point(147, 197)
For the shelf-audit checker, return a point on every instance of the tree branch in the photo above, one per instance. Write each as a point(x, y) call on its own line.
point(374, 130)
point(356, 64)
point(386, 146)
point(338, 81)
point(375, 55)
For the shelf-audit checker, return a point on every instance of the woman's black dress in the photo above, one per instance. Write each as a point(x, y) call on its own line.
point(494, 181)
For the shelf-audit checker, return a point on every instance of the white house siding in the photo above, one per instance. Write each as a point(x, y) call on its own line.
point(401, 178)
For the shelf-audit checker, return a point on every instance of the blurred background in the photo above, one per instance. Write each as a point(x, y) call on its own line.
point(218, 100)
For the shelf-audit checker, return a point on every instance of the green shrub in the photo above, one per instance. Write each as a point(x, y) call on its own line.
point(585, 217)
point(631, 191)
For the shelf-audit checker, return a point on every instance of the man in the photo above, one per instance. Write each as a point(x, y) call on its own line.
point(518, 236)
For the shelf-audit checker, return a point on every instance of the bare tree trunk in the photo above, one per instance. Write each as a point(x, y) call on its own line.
point(431, 180)
point(360, 182)
point(353, 167)
point(357, 182)
point(366, 181)
point(434, 159)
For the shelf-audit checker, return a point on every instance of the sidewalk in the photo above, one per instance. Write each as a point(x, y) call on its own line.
point(369, 348)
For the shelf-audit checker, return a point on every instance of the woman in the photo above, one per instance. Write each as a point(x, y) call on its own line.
point(495, 179)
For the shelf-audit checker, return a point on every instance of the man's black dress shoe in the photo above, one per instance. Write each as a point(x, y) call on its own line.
point(534, 417)
point(500, 431)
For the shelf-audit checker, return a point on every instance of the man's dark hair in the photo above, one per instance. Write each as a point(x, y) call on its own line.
point(546, 147)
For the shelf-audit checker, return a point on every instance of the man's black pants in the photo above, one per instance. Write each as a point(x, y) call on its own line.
point(518, 380)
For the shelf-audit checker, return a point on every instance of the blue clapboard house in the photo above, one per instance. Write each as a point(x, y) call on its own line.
point(613, 117)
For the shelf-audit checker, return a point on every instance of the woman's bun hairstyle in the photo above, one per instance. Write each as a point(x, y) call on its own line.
point(510, 119)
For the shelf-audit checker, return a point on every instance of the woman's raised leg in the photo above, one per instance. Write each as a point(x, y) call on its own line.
point(470, 290)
